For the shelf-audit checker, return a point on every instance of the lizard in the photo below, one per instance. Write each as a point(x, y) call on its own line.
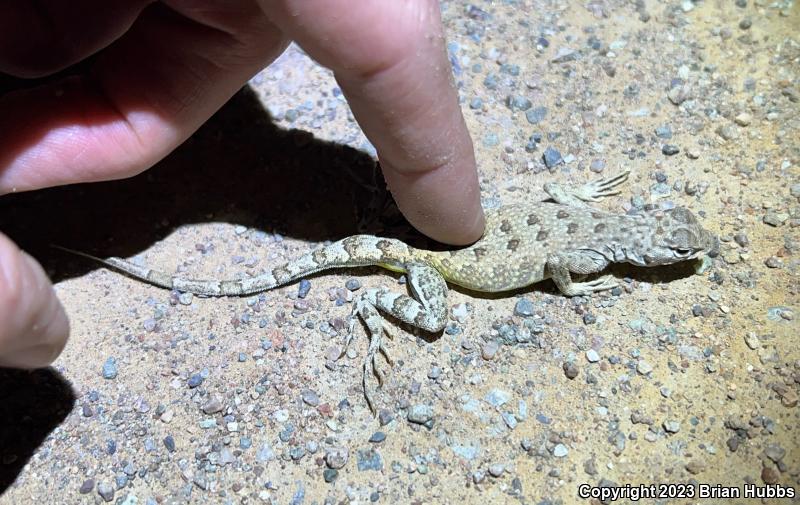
point(522, 244)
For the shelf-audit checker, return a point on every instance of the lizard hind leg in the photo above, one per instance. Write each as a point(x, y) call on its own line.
point(365, 309)
point(427, 310)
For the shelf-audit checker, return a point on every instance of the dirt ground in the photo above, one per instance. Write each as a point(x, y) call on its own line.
point(678, 377)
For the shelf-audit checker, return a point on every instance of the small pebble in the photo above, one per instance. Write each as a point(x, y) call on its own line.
point(679, 94)
point(597, 166)
point(169, 443)
point(489, 350)
point(510, 420)
point(385, 417)
point(87, 486)
point(330, 474)
point(672, 426)
point(420, 414)
point(592, 356)
point(336, 457)
point(496, 470)
point(303, 288)
point(560, 450)
point(774, 219)
point(565, 54)
point(743, 119)
point(670, 149)
point(185, 298)
point(752, 341)
point(768, 474)
point(110, 368)
point(552, 158)
point(377, 437)
point(536, 115)
point(517, 102)
point(369, 459)
point(195, 380)
point(789, 399)
point(523, 307)
point(353, 284)
point(497, 397)
point(774, 452)
point(105, 491)
point(570, 369)
point(643, 367)
point(664, 132)
point(310, 398)
point(212, 406)
point(695, 466)
point(150, 324)
point(726, 132)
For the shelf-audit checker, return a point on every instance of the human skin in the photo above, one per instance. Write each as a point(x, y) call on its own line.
point(166, 67)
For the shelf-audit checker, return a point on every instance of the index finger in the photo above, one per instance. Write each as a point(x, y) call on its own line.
point(389, 59)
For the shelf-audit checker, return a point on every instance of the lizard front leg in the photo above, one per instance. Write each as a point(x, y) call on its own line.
point(425, 309)
point(589, 192)
point(560, 265)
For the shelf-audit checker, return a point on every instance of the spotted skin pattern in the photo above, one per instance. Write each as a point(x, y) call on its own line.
point(522, 245)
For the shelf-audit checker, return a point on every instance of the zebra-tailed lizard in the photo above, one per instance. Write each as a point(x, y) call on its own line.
point(522, 244)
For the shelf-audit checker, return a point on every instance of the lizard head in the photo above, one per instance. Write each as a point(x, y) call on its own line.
point(674, 235)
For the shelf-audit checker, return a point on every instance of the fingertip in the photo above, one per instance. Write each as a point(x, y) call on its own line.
point(474, 228)
point(33, 325)
point(442, 203)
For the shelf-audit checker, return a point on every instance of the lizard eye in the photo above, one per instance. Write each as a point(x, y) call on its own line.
point(683, 252)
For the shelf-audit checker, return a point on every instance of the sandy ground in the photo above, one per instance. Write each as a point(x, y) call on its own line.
point(676, 378)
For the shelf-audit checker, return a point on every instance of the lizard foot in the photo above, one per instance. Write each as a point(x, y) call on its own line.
point(601, 188)
point(365, 310)
point(603, 283)
point(589, 192)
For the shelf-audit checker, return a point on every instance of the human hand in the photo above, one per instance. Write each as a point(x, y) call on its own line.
point(167, 66)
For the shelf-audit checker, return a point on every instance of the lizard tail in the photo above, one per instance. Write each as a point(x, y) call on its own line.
point(355, 251)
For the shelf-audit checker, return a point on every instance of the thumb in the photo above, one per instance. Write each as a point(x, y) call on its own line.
point(33, 325)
